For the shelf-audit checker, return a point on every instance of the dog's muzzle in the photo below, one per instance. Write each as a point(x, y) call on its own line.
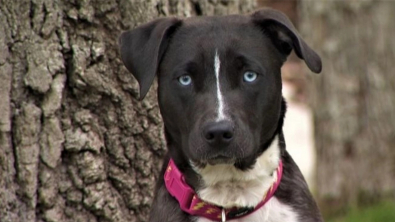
point(218, 136)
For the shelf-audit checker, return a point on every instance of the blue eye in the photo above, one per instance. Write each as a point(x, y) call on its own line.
point(250, 76)
point(185, 80)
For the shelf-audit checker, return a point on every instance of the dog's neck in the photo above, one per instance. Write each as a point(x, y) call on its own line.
point(227, 186)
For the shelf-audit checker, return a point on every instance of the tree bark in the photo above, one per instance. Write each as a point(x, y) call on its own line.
point(75, 144)
point(353, 99)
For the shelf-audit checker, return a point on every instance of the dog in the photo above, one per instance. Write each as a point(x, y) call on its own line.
point(219, 94)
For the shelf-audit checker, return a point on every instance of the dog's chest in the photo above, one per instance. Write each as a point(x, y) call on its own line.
point(228, 187)
point(272, 211)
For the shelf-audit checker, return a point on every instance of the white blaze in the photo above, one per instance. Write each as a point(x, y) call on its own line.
point(217, 64)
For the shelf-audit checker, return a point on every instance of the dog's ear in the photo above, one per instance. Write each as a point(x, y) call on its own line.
point(285, 37)
point(143, 47)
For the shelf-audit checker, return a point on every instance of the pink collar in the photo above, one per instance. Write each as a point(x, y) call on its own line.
point(193, 205)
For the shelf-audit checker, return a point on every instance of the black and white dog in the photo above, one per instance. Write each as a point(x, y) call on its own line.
point(220, 98)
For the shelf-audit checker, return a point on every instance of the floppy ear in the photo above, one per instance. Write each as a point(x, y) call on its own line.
point(285, 36)
point(143, 47)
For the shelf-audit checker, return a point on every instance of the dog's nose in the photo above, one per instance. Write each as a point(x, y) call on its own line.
point(218, 133)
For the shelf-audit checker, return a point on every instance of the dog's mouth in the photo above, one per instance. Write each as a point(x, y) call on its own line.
point(220, 159)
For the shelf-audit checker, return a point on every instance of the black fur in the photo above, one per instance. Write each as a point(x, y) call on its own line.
point(260, 43)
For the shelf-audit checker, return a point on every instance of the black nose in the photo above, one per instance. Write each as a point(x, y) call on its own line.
point(218, 133)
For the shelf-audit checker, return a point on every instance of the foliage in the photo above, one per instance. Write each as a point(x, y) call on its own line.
point(381, 212)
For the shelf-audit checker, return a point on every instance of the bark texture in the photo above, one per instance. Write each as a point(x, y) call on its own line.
point(75, 145)
point(353, 99)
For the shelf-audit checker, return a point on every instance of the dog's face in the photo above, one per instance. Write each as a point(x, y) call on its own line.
point(220, 88)
point(219, 80)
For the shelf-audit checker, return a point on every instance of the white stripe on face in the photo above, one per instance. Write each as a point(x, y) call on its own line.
point(217, 64)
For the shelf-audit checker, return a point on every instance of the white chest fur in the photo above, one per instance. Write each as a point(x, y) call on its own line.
point(227, 186)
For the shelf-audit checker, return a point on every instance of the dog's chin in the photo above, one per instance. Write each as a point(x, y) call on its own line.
point(220, 160)
point(202, 163)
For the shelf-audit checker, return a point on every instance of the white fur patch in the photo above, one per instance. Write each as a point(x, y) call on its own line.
point(272, 211)
point(228, 186)
point(217, 65)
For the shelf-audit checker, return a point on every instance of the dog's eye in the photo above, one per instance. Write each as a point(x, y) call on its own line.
point(185, 80)
point(250, 76)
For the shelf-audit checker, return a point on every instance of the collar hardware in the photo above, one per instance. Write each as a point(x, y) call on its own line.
point(223, 216)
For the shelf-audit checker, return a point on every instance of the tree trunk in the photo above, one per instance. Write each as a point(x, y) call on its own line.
point(353, 100)
point(75, 144)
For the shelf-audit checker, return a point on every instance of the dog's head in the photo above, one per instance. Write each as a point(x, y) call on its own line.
point(219, 80)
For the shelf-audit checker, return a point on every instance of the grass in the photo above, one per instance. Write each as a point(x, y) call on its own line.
point(381, 212)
